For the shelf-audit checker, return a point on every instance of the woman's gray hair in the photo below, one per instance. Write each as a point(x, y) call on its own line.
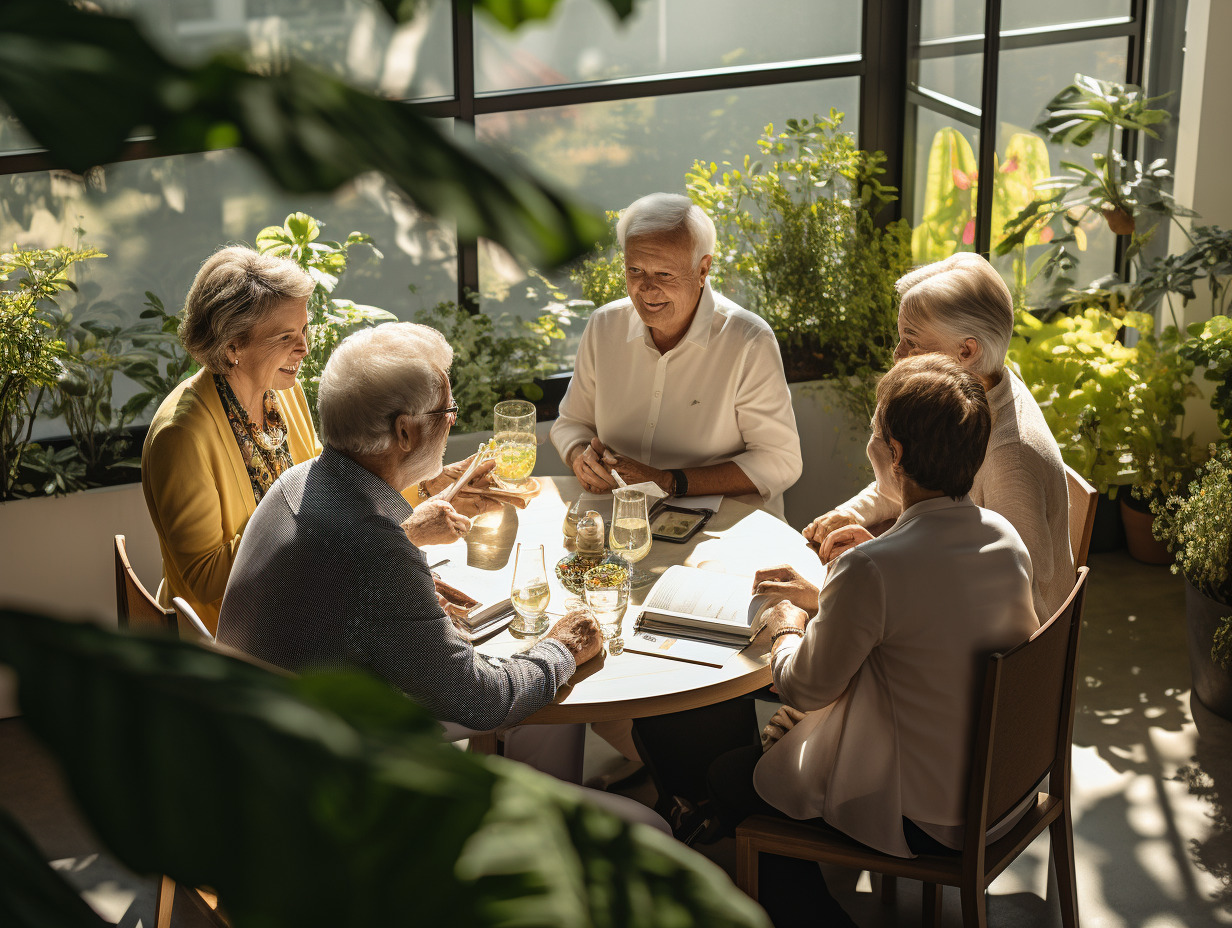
point(958, 298)
point(376, 375)
point(232, 294)
point(668, 214)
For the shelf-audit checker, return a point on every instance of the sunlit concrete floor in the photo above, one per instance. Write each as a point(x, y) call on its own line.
point(1154, 843)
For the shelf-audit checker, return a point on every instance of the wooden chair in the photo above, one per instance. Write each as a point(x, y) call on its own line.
point(188, 615)
point(1023, 734)
point(135, 607)
point(1082, 500)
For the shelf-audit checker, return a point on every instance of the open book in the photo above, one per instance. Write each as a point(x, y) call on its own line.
point(705, 606)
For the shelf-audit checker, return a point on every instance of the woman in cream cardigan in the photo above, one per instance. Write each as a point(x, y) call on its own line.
point(962, 308)
point(220, 439)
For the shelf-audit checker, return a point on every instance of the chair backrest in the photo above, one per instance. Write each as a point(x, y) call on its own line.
point(135, 607)
point(190, 618)
point(1082, 500)
point(1026, 720)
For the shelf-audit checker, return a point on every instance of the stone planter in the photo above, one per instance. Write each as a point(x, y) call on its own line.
point(1212, 684)
point(1138, 521)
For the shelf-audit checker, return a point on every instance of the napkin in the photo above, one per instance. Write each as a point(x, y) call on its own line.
point(651, 489)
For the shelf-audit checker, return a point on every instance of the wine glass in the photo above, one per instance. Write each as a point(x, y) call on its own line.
point(630, 533)
point(607, 597)
point(529, 592)
point(513, 441)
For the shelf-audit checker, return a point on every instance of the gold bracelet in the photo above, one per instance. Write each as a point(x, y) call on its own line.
point(786, 631)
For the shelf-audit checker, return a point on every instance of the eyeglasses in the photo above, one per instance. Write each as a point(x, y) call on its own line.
point(447, 411)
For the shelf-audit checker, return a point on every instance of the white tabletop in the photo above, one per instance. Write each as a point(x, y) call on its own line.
point(737, 540)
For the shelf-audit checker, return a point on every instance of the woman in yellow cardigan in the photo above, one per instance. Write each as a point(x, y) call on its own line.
point(221, 438)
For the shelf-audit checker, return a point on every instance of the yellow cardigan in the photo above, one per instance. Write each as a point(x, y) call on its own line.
point(197, 488)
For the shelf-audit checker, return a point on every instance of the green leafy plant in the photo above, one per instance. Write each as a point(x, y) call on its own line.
point(323, 800)
point(1197, 527)
point(495, 359)
point(31, 355)
point(1209, 258)
point(1114, 409)
point(1124, 193)
point(798, 243)
point(170, 364)
point(329, 319)
point(1210, 345)
point(83, 84)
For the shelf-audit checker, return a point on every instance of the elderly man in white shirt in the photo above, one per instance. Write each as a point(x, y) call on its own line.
point(676, 384)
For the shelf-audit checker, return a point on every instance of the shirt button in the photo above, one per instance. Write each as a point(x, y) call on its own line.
point(657, 393)
point(652, 425)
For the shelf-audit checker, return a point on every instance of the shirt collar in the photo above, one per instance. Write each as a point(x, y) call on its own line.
point(386, 501)
point(699, 328)
point(930, 505)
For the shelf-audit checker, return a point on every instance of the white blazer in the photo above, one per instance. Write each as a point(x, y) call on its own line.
point(888, 672)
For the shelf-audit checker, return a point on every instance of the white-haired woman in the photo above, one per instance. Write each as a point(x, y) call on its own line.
point(220, 439)
point(677, 384)
point(961, 307)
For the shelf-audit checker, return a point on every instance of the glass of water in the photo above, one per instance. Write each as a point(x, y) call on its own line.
point(513, 441)
point(529, 592)
point(630, 533)
point(607, 598)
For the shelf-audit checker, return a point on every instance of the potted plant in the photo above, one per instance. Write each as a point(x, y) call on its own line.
point(1197, 527)
point(1114, 408)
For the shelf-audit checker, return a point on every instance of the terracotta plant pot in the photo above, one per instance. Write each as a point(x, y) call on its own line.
point(1138, 538)
point(1119, 221)
point(1212, 684)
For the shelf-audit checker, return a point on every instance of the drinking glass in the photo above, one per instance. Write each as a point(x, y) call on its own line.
point(607, 598)
point(630, 533)
point(529, 592)
point(513, 441)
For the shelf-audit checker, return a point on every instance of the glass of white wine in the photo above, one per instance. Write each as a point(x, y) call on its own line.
point(630, 534)
point(529, 592)
point(607, 598)
point(513, 441)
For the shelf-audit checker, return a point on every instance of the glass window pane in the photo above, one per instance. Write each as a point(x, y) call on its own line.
point(584, 42)
point(949, 19)
point(1029, 78)
point(157, 220)
point(942, 185)
point(959, 77)
point(354, 39)
point(609, 154)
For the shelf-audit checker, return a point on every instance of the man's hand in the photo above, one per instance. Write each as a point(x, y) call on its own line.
point(784, 582)
point(480, 480)
point(632, 471)
point(842, 540)
point(588, 467)
point(579, 632)
point(435, 522)
point(817, 530)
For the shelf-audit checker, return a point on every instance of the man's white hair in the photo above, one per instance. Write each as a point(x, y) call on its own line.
point(376, 375)
point(959, 298)
point(668, 214)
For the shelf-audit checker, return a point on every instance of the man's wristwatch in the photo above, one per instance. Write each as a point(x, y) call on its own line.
point(680, 483)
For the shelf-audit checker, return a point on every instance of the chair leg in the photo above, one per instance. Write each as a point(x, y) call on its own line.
point(889, 888)
point(974, 905)
point(483, 743)
point(746, 867)
point(932, 905)
point(166, 899)
point(1061, 833)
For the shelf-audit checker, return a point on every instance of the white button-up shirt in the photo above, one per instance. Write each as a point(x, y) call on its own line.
point(719, 395)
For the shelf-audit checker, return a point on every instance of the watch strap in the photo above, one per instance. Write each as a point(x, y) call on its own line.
point(680, 483)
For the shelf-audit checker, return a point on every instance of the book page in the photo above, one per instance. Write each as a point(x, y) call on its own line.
point(722, 598)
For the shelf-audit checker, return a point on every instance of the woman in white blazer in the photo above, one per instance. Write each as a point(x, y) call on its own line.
point(883, 660)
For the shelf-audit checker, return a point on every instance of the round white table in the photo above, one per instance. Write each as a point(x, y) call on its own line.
point(738, 539)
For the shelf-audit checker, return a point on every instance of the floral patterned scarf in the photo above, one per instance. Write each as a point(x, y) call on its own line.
point(264, 450)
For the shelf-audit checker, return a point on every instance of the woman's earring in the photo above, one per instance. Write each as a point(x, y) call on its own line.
point(235, 362)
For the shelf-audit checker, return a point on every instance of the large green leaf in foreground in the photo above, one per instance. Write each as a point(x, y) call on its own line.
point(82, 84)
point(330, 799)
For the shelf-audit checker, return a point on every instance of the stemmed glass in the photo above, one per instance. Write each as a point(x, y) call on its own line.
point(529, 592)
point(513, 441)
point(607, 597)
point(630, 534)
